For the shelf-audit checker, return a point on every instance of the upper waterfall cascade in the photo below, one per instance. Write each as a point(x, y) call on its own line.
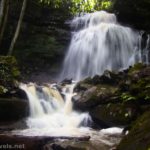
point(98, 43)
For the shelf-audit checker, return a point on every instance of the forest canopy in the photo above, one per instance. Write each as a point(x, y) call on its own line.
point(77, 6)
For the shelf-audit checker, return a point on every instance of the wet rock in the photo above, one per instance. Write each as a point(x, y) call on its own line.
point(12, 125)
point(13, 109)
point(94, 95)
point(61, 147)
point(20, 94)
point(66, 81)
point(114, 114)
point(35, 142)
point(26, 143)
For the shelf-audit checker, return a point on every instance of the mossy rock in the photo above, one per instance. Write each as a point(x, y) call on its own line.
point(115, 114)
point(90, 96)
point(136, 86)
point(107, 78)
point(139, 136)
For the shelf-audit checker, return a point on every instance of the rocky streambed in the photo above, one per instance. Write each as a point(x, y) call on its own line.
point(113, 100)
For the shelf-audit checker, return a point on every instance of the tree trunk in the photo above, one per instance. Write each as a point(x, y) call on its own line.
point(3, 17)
point(18, 28)
point(2, 6)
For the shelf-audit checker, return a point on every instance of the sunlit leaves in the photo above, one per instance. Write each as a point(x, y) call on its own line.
point(77, 6)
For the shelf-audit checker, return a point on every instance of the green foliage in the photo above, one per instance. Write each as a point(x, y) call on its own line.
point(3, 89)
point(38, 53)
point(8, 72)
point(137, 85)
point(40, 46)
point(138, 137)
point(135, 68)
point(127, 97)
point(77, 6)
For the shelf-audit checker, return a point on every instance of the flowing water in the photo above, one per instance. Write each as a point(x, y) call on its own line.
point(49, 111)
point(98, 43)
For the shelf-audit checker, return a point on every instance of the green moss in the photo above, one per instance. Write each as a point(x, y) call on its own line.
point(139, 136)
point(115, 114)
point(136, 68)
point(9, 72)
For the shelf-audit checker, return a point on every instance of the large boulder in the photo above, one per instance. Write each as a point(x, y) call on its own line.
point(97, 90)
point(13, 109)
point(139, 135)
point(39, 142)
point(114, 114)
point(115, 99)
point(94, 95)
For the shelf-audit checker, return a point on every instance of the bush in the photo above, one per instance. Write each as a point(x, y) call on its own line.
point(9, 72)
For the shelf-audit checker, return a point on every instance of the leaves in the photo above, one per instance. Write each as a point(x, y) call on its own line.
point(127, 97)
point(77, 6)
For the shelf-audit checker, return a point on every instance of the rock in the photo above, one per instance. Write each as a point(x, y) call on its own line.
point(114, 114)
point(13, 109)
point(26, 143)
point(108, 77)
point(62, 147)
point(12, 125)
point(34, 142)
point(19, 93)
point(66, 81)
point(94, 95)
point(139, 135)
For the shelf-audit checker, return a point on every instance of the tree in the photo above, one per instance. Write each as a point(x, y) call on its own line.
point(2, 4)
point(16, 34)
point(4, 8)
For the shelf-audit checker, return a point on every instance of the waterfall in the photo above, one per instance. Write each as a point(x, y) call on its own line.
point(98, 43)
point(50, 111)
point(146, 51)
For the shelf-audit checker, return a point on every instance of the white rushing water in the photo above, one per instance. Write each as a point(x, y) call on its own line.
point(100, 43)
point(50, 114)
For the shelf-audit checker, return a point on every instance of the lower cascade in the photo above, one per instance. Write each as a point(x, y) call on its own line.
point(98, 43)
point(52, 115)
point(50, 112)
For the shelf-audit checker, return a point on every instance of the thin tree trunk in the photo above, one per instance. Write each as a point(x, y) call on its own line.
point(18, 28)
point(2, 6)
point(4, 20)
